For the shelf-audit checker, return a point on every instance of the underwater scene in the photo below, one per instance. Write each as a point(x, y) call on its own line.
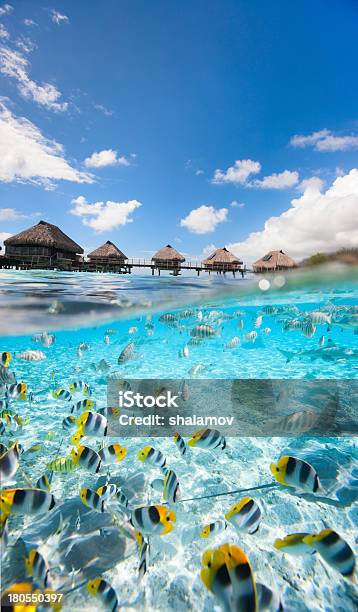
point(254, 513)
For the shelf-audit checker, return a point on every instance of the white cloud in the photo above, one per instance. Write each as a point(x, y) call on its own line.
point(108, 157)
point(29, 23)
point(4, 236)
point(15, 65)
point(204, 219)
point(282, 180)
point(236, 204)
point(27, 156)
point(104, 216)
point(4, 34)
point(25, 44)
point(11, 214)
point(325, 140)
point(208, 249)
point(58, 17)
point(316, 221)
point(238, 173)
point(5, 9)
point(106, 111)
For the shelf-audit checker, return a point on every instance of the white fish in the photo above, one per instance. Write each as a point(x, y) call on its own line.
point(198, 368)
point(106, 339)
point(45, 339)
point(235, 341)
point(250, 336)
point(322, 341)
point(133, 330)
point(258, 321)
point(185, 391)
point(266, 330)
point(240, 324)
point(31, 355)
point(184, 352)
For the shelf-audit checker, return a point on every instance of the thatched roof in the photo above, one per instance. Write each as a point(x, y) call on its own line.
point(108, 250)
point(273, 260)
point(221, 256)
point(167, 253)
point(44, 234)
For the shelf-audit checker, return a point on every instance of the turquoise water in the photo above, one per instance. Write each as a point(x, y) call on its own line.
point(106, 313)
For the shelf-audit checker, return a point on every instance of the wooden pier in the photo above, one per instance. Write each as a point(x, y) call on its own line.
point(41, 262)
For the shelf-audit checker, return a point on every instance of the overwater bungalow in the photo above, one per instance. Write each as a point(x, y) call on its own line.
point(107, 257)
point(43, 246)
point(168, 258)
point(222, 261)
point(274, 260)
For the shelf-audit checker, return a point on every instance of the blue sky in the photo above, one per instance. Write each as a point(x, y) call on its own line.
point(154, 122)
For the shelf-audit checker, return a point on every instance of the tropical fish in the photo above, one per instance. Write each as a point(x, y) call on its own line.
point(244, 594)
point(203, 331)
point(87, 458)
point(195, 341)
point(9, 462)
point(26, 501)
point(17, 391)
point(107, 491)
point(79, 386)
point(31, 355)
point(258, 321)
point(121, 499)
point(6, 376)
point(127, 353)
point(62, 394)
point(268, 599)
point(151, 520)
point(106, 339)
point(184, 352)
point(180, 444)
point(296, 473)
point(208, 439)
point(198, 368)
point(249, 337)
point(133, 330)
point(293, 544)
point(240, 324)
point(45, 339)
point(308, 329)
point(37, 567)
point(295, 423)
point(112, 454)
point(213, 528)
point(318, 318)
point(63, 465)
point(321, 341)
point(235, 341)
point(69, 423)
point(266, 330)
point(100, 588)
point(168, 317)
point(85, 404)
point(44, 482)
point(334, 550)
point(5, 359)
point(92, 424)
point(184, 391)
point(102, 367)
point(92, 500)
point(245, 515)
point(143, 549)
point(171, 490)
point(150, 455)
